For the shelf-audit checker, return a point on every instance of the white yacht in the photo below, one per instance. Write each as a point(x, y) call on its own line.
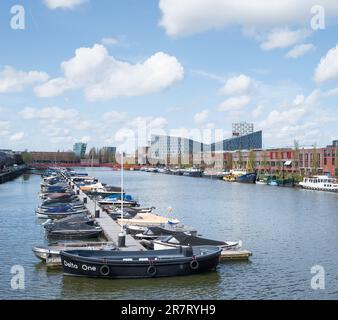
point(321, 183)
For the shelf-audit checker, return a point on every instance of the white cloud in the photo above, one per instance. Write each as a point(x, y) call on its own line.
point(300, 50)
point(298, 121)
point(210, 125)
point(257, 111)
point(200, 117)
point(234, 103)
point(332, 92)
point(3, 109)
point(150, 123)
point(17, 137)
point(328, 66)
point(207, 74)
point(103, 77)
point(283, 38)
point(49, 114)
point(119, 41)
point(4, 128)
point(53, 88)
point(12, 80)
point(86, 139)
point(63, 4)
point(181, 18)
point(109, 41)
point(236, 85)
point(114, 117)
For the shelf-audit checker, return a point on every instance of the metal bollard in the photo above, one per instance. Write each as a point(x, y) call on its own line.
point(97, 214)
point(85, 200)
point(121, 241)
point(77, 192)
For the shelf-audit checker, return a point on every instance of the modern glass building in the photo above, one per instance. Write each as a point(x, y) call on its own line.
point(79, 149)
point(180, 150)
point(245, 142)
point(242, 129)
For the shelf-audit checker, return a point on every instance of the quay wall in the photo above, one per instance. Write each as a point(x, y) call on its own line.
point(12, 173)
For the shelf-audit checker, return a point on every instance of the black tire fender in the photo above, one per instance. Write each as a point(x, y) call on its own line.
point(194, 264)
point(151, 271)
point(104, 270)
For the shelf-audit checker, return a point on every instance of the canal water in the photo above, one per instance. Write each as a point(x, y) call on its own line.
point(288, 230)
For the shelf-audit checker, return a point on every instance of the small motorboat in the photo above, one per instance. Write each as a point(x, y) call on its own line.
point(249, 177)
point(128, 213)
point(69, 221)
point(75, 204)
point(192, 172)
point(59, 215)
point(58, 209)
point(53, 250)
point(182, 239)
point(150, 219)
point(78, 231)
point(117, 199)
point(182, 261)
point(133, 230)
point(152, 233)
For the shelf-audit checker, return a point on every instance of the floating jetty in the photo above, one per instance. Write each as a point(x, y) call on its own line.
point(112, 229)
point(235, 255)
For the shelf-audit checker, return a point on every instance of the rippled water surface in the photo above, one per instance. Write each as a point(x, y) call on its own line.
point(288, 231)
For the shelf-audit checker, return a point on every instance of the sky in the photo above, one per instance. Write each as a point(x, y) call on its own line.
point(100, 71)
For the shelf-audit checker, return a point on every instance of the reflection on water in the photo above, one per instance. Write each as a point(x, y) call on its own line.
point(288, 231)
point(160, 288)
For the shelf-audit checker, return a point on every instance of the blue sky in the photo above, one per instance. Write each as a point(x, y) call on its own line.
point(94, 71)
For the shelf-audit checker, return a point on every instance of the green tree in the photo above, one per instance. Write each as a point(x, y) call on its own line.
point(26, 157)
point(336, 161)
point(279, 160)
point(230, 161)
point(240, 159)
point(252, 160)
point(296, 155)
point(264, 163)
point(92, 153)
point(315, 159)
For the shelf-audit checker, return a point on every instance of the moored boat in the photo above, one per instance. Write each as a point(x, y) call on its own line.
point(192, 172)
point(140, 264)
point(146, 219)
point(247, 178)
point(320, 183)
point(182, 239)
point(80, 231)
point(53, 250)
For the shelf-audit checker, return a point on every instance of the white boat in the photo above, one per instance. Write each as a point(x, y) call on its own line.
point(183, 239)
point(320, 183)
point(53, 251)
point(144, 219)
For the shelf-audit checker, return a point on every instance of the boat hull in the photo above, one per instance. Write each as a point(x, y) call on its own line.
point(326, 189)
point(247, 178)
point(99, 268)
point(74, 234)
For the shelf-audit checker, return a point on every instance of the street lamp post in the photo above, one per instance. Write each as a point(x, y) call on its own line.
point(122, 235)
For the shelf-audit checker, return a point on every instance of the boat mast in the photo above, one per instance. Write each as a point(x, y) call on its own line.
point(122, 195)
